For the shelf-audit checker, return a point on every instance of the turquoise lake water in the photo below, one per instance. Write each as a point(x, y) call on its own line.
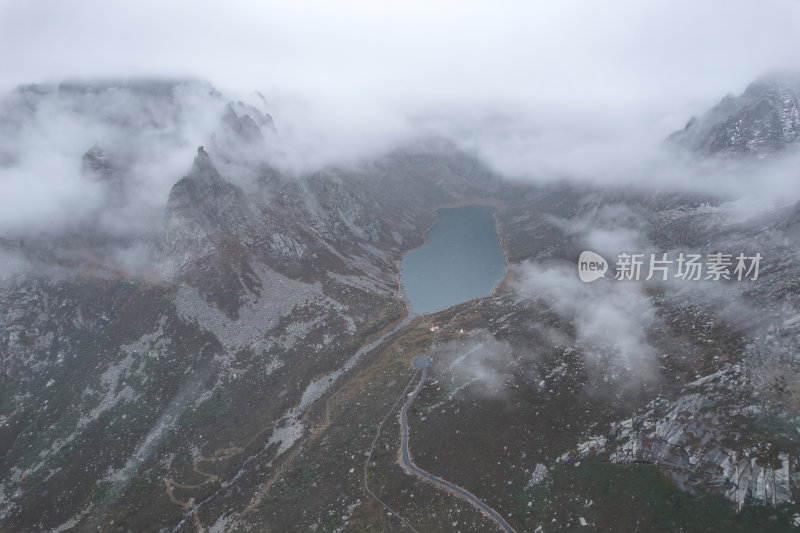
point(461, 260)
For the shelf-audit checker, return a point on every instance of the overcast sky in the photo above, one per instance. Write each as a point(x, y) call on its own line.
point(561, 87)
point(416, 54)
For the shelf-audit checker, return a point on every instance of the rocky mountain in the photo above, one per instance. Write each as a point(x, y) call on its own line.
point(763, 120)
point(238, 360)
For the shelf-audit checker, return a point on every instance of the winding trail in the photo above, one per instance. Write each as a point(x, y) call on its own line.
point(408, 462)
point(313, 392)
point(372, 449)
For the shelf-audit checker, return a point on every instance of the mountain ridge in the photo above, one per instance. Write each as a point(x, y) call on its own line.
point(762, 121)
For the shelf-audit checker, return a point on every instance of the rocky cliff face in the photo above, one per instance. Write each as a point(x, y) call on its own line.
point(763, 120)
point(202, 212)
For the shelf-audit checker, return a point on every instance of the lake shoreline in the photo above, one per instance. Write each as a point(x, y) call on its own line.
point(467, 246)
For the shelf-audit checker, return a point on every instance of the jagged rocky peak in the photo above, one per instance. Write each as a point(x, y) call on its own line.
point(203, 162)
point(763, 120)
point(773, 81)
point(247, 122)
point(96, 162)
point(203, 211)
point(206, 198)
point(262, 118)
point(203, 182)
point(242, 126)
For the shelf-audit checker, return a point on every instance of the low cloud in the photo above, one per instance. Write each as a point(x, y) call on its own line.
point(148, 141)
point(140, 138)
point(541, 93)
point(480, 361)
point(611, 319)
